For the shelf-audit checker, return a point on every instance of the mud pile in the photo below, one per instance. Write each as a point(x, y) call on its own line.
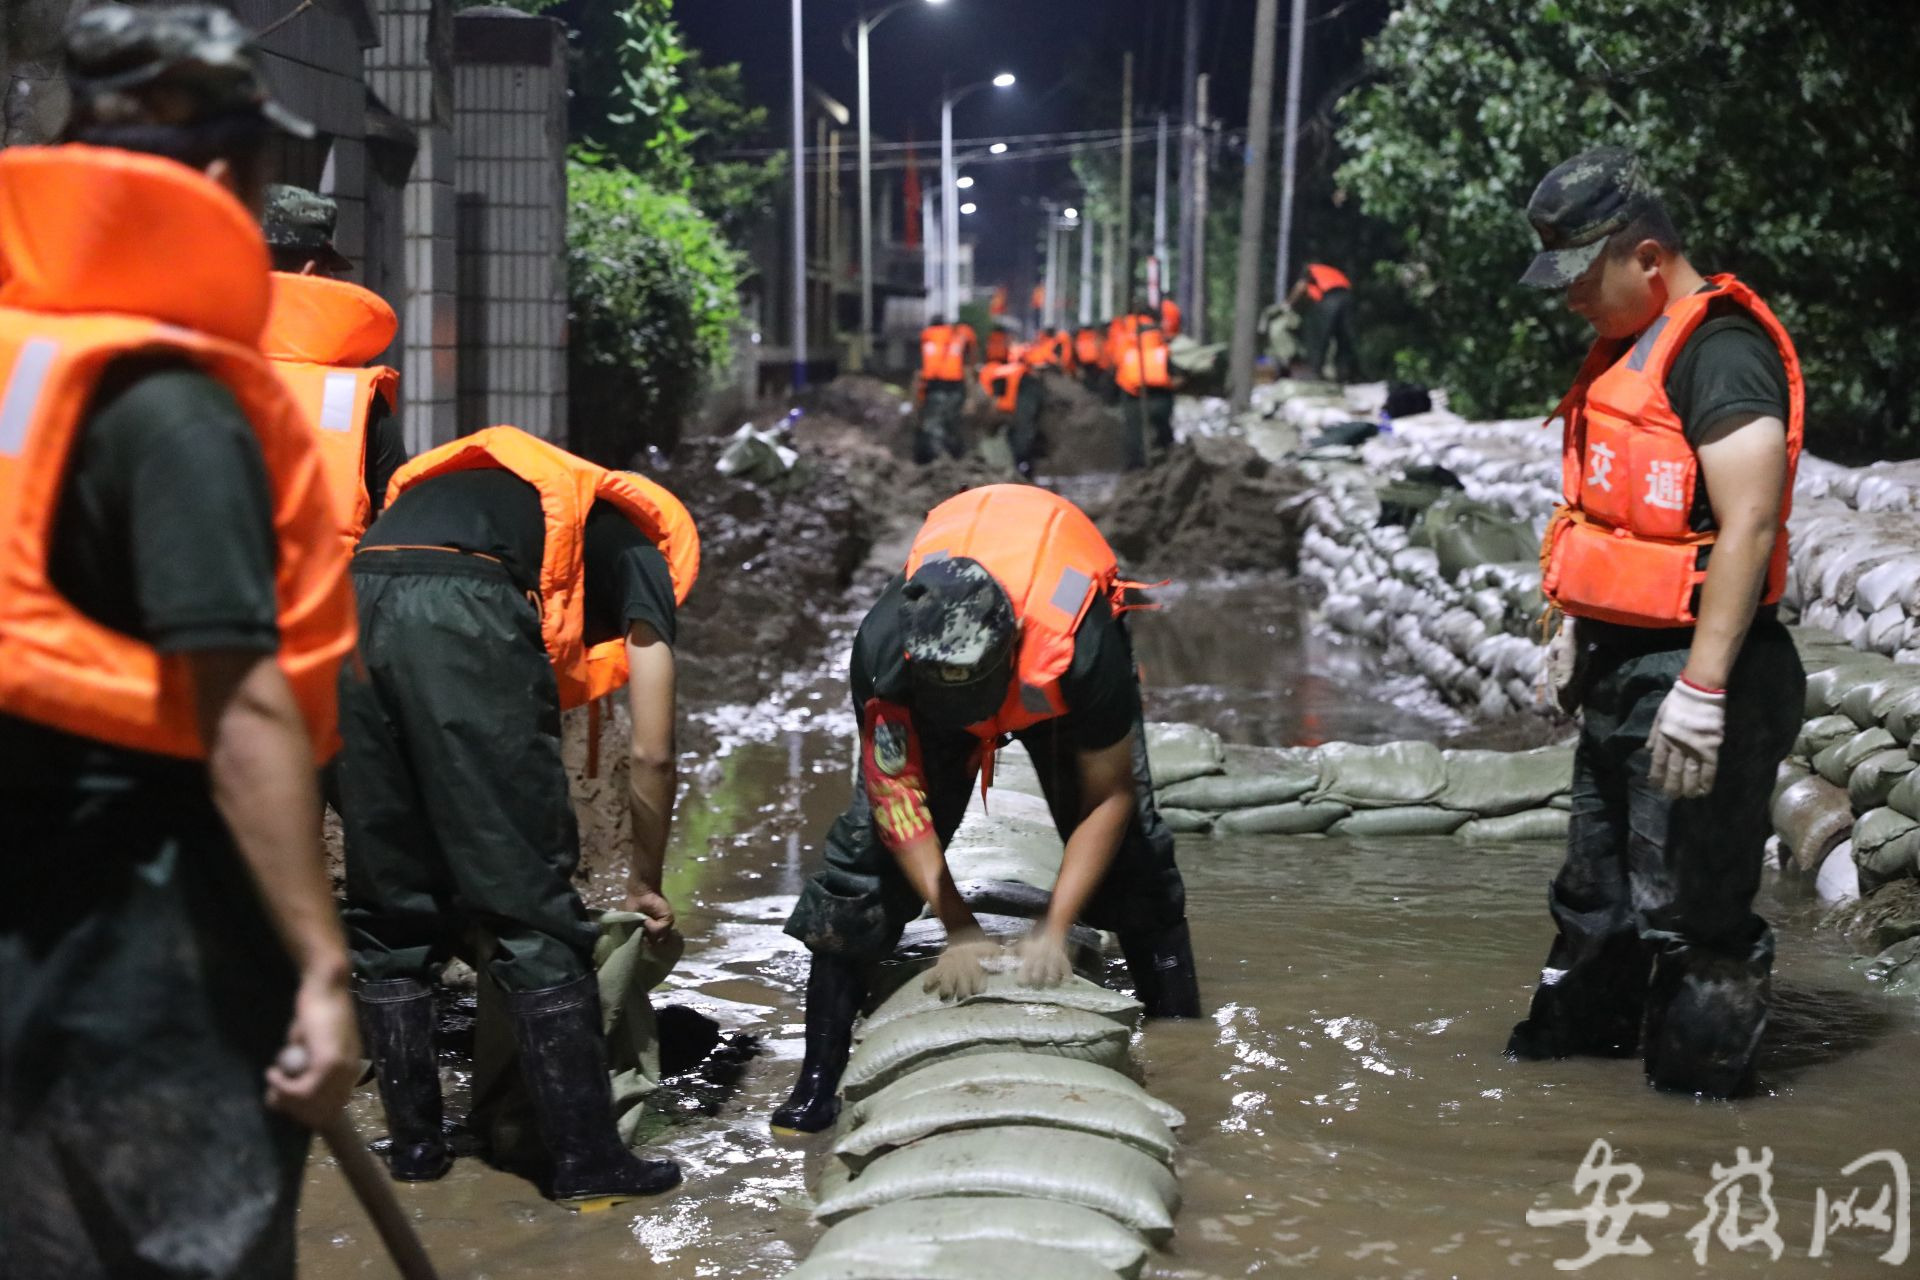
point(1213, 506)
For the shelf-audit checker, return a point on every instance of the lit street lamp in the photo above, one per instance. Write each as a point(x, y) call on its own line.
point(997, 149)
point(969, 207)
point(949, 185)
point(965, 184)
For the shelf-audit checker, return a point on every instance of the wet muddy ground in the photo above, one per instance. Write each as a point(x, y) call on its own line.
point(1349, 1112)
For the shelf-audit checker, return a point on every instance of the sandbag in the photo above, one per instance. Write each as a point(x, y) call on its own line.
point(1466, 534)
point(1825, 689)
point(1886, 846)
point(1863, 702)
point(1176, 752)
point(984, 1106)
point(1837, 763)
point(1873, 779)
point(1019, 1160)
point(1812, 817)
point(1013, 1067)
point(1286, 775)
point(1905, 796)
point(1382, 777)
point(899, 1047)
point(972, 1260)
point(1186, 822)
point(1899, 714)
point(1491, 783)
point(1297, 819)
point(992, 847)
point(1530, 824)
point(1821, 732)
point(1004, 987)
point(1404, 820)
point(889, 1232)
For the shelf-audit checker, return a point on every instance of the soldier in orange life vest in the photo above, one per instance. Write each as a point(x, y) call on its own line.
point(173, 613)
point(946, 356)
point(1089, 349)
point(999, 346)
point(321, 334)
point(1006, 620)
point(1170, 316)
point(1143, 372)
point(506, 581)
point(1329, 322)
point(1682, 433)
point(1016, 393)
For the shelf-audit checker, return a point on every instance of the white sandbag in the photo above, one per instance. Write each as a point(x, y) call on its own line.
point(1299, 818)
point(1403, 820)
point(1176, 752)
point(1019, 1160)
point(1530, 824)
point(971, 1260)
point(1011, 1067)
point(887, 1233)
point(984, 1106)
point(1380, 777)
point(904, 1044)
point(1004, 987)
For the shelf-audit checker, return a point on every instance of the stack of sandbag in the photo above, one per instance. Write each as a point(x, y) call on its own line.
point(1344, 789)
point(1857, 574)
point(1000, 1135)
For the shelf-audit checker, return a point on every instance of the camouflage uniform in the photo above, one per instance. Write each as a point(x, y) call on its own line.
point(300, 223)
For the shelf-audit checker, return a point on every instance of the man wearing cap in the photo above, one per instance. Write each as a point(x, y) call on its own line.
point(1004, 622)
point(174, 616)
point(322, 335)
point(947, 354)
point(1682, 432)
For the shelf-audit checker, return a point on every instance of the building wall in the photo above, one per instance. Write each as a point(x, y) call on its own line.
point(510, 140)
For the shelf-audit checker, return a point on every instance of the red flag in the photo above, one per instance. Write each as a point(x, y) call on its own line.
point(911, 198)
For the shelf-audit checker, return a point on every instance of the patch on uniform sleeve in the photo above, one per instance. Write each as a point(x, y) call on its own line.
point(890, 763)
point(890, 747)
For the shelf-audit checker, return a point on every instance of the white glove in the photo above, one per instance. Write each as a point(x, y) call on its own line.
point(1562, 664)
point(1686, 737)
point(960, 971)
point(1043, 960)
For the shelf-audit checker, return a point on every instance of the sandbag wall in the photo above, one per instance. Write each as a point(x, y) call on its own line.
point(1002, 1135)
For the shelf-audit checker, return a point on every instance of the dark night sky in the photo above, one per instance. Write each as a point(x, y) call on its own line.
point(1066, 53)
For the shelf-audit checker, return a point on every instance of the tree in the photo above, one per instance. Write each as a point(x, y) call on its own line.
point(1782, 136)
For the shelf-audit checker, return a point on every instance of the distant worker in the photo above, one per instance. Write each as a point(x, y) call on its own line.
point(1005, 620)
point(1170, 316)
point(1089, 349)
point(1683, 434)
point(999, 348)
point(1143, 372)
point(175, 614)
point(1328, 323)
point(506, 582)
point(946, 354)
point(1015, 389)
point(321, 335)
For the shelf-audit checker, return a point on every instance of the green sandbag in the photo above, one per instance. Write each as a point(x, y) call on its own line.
point(1289, 780)
point(1296, 819)
point(1873, 779)
point(1380, 777)
point(1821, 732)
point(1019, 1160)
point(1009, 1068)
point(1905, 796)
point(1406, 820)
point(899, 1047)
point(985, 1106)
point(888, 1233)
point(1789, 772)
point(990, 847)
point(1826, 689)
point(1563, 802)
point(1837, 763)
point(1886, 847)
point(1899, 714)
point(1467, 534)
point(1491, 783)
point(1176, 752)
point(1531, 824)
point(1867, 702)
point(1186, 822)
point(1005, 987)
point(970, 1260)
point(1811, 817)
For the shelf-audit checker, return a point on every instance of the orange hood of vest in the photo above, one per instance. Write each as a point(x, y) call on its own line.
point(324, 321)
point(77, 230)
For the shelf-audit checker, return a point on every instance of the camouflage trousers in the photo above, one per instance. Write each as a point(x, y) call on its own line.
point(939, 431)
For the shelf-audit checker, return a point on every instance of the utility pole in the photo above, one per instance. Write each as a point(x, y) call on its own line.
point(1086, 265)
point(799, 207)
point(821, 181)
point(1196, 318)
point(1160, 212)
point(835, 269)
point(929, 258)
point(950, 215)
point(1190, 116)
point(1253, 204)
point(1289, 148)
point(1126, 179)
point(865, 345)
point(1049, 314)
point(1106, 273)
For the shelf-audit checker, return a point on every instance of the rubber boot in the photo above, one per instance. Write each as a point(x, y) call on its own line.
point(835, 988)
point(396, 1021)
point(1706, 1015)
point(563, 1057)
point(1161, 965)
point(1589, 1001)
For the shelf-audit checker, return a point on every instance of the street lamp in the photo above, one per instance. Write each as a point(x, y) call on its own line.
point(1071, 215)
point(965, 184)
point(949, 185)
point(969, 207)
point(865, 25)
point(997, 149)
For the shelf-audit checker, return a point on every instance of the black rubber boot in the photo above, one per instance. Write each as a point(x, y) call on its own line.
point(1706, 1015)
point(563, 1057)
point(1161, 965)
point(1588, 1002)
point(396, 1021)
point(835, 988)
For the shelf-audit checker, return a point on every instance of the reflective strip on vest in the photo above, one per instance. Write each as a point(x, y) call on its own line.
point(1035, 700)
point(1643, 349)
point(23, 392)
point(1071, 591)
point(338, 396)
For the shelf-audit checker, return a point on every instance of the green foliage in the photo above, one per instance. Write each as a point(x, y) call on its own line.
point(653, 290)
point(1782, 136)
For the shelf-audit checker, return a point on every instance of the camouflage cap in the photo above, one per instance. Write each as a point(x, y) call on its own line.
point(167, 64)
point(299, 219)
point(957, 615)
point(1577, 206)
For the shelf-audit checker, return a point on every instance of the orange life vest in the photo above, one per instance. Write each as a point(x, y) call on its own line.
point(1088, 348)
point(106, 254)
point(1044, 351)
point(320, 334)
point(1170, 317)
point(1323, 279)
point(1001, 382)
point(999, 346)
point(1120, 331)
point(568, 487)
point(944, 349)
point(1144, 362)
point(1050, 560)
point(1622, 547)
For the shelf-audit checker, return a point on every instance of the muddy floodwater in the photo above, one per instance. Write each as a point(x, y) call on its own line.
point(1349, 1112)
